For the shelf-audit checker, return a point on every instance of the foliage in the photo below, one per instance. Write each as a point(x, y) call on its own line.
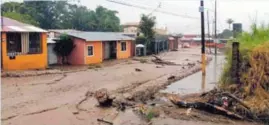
point(95, 66)
point(63, 47)
point(140, 40)
point(229, 21)
point(254, 69)
point(248, 41)
point(21, 17)
point(146, 27)
point(62, 15)
point(226, 34)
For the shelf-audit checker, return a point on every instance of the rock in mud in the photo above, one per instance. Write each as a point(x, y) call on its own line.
point(171, 78)
point(102, 97)
point(138, 70)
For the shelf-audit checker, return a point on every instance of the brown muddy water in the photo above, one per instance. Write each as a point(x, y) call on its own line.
point(193, 83)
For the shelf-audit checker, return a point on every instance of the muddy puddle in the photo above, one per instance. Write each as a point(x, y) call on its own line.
point(193, 83)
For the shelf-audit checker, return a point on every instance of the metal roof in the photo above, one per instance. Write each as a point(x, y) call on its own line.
point(99, 36)
point(10, 25)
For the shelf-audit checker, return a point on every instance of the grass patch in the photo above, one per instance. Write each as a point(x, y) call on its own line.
point(95, 66)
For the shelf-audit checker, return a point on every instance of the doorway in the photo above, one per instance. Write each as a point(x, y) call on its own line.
point(109, 50)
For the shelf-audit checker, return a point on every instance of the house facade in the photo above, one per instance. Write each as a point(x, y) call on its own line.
point(23, 46)
point(95, 47)
point(132, 27)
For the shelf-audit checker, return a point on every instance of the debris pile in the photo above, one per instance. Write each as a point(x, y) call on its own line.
point(219, 102)
point(106, 99)
point(158, 60)
point(102, 97)
point(253, 85)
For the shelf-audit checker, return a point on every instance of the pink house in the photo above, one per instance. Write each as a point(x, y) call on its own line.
point(95, 47)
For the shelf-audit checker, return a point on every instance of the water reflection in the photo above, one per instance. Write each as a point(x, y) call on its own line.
point(196, 83)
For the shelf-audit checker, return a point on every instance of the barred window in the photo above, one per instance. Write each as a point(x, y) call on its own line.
point(34, 43)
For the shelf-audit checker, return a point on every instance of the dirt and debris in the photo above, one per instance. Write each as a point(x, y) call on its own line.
point(87, 95)
point(121, 84)
point(105, 121)
point(138, 70)
point(158, 60)
point(103, 97)
point(217, 102)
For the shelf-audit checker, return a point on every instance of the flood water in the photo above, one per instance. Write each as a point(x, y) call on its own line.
point(193, 83)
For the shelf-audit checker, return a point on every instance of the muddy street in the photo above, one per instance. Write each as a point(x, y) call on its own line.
point(45, 98)
point(193, 83)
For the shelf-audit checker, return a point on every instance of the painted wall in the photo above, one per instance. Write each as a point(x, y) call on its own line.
point(97, 56)
point(124, 54)
point(27, 61)
point(77, 55)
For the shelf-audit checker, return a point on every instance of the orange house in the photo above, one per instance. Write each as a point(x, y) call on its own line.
point(23, 46)
point(94, 47)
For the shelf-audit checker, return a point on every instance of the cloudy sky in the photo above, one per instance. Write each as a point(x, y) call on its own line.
point(241, 11)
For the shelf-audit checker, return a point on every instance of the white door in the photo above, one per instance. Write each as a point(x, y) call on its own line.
point(52, 58)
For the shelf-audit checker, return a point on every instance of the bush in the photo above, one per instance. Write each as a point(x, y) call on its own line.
point(248, 41)
point(254, 70)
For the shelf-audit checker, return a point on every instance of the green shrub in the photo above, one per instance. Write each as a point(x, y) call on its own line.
point(247, 40)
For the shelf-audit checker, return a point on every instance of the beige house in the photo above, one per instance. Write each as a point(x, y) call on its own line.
point(133, 28)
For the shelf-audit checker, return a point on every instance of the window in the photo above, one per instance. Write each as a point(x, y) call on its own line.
point(90, 50)
point(34, 43)
point(123, 46)
point(14, 42)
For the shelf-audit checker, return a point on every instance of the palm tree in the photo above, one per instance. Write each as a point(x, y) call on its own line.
point(230, 21)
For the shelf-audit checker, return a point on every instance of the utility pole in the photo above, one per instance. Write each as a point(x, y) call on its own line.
point(216, 28)
point(216, 39)
point(208, 29)
point(203, 43)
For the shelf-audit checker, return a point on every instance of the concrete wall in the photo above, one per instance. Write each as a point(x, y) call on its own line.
point(77, 55)
point(25, 61)
point(124, 54)
point(97, 56)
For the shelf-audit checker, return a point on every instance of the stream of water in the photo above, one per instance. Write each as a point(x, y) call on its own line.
point(193, 83)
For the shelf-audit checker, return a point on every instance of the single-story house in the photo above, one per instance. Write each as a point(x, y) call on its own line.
point(94, 47)
point(173, 43)
point(159, 44)
point(23, 46)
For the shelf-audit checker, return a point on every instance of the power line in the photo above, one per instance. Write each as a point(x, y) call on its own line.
point(146, 8)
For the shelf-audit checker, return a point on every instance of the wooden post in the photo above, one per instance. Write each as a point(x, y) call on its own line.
point(235, 63)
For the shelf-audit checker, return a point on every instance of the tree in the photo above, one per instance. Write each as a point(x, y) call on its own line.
point(140, 40)
point(229, 21)
point(63, 47)
point(226, 34)
point(146, 27)
point(62, 15)
point(25, 18)
point(106, 20)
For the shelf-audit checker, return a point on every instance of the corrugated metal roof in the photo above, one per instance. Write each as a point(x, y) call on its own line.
point(63, 30)
point(10, 25)
point(100, 36)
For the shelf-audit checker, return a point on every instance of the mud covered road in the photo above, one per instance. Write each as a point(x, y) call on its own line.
point(52, 99)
